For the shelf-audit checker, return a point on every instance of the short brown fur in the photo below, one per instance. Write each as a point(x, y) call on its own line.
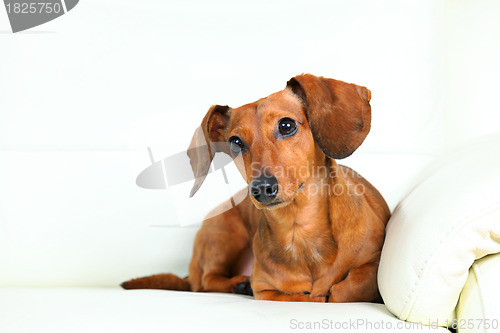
point(310, 245)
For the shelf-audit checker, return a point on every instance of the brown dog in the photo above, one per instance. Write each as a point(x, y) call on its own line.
point(315, 228)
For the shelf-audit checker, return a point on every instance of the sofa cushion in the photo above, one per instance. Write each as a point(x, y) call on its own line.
point(479, 303)
point(445, 223)
point(115, 310)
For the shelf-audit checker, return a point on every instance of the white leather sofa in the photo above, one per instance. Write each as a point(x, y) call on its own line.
point(83, 96)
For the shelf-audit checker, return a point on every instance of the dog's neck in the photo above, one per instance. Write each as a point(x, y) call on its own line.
point(301, 230)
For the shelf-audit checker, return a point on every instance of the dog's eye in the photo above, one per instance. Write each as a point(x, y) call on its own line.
point(236, 145)
point(287, 126)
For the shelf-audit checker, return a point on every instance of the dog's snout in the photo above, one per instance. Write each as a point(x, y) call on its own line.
point(264, 189)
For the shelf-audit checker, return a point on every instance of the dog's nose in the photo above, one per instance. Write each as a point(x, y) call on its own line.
point(264, 189)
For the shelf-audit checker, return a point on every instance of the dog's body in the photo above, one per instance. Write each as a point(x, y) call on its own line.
point(315, 228)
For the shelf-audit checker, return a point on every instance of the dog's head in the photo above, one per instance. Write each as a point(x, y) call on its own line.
point(283, 137)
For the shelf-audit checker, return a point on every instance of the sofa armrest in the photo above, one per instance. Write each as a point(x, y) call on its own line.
point(449, 220)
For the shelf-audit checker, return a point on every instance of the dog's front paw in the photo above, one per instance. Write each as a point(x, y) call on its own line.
point(244, 288)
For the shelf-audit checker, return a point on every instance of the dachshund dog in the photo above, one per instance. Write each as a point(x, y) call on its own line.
point(313, 228)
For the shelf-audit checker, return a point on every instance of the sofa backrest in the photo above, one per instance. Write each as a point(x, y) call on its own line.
point(83, 96)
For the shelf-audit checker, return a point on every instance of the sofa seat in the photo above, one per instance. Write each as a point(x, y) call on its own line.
point(116, 310)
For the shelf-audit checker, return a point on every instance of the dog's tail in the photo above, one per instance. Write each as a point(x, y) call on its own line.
point(158, 281)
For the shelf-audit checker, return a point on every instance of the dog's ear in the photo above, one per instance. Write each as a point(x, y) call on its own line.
point(339, 113)
point(208, 139)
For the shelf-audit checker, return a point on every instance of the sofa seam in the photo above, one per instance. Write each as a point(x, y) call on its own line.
point(480, 281)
